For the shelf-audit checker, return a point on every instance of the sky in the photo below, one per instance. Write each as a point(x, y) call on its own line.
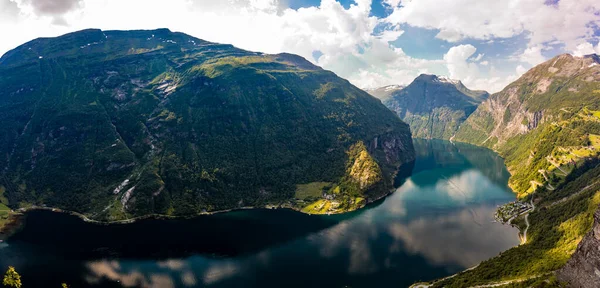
point(484, 43)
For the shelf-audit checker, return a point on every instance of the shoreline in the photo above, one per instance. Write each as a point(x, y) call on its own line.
point(21, 212)
point(12, 224)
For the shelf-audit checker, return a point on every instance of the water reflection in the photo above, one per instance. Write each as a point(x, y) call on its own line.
point(466, 241)
point(437, 223)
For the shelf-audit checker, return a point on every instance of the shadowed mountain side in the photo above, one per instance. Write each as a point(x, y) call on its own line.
point(120, 124)
point(434, 106)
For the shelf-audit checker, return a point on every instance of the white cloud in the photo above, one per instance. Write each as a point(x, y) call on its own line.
point(586, 48)
point(458, 19)
point(566, 22)
point(471, 73)
point(354, 44)
point(392, 3)
point(520, 70)
point(533, 55)
point(449, 35)
point(456, 60)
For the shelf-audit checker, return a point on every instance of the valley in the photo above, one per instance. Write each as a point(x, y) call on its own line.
point(548, 137)
point(392, 241)
point(153, 128)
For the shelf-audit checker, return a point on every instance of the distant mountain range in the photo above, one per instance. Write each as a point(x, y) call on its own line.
point(118, 124)
point(433, 106)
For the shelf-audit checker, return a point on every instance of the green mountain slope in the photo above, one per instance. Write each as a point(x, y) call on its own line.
point(433, 106)
point(547, 127)
point(540, 95)
point(543, 123)
point(115, 124)
point(557, 226)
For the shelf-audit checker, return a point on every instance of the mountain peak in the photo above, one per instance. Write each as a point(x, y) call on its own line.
point(448, 80)
point(594, 58)
point(562, 66)
point(426, 77)
point(437, 78)
point(385, 92)
point(96, 41)
point(434, 106)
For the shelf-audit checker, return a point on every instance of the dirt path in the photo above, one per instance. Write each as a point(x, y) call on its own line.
point(556, 165)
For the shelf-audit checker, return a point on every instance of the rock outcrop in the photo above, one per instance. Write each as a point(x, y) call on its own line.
point(583, 269)
point(548, 90)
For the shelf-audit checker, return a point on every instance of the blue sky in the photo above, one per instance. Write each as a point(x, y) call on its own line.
point(484, 43)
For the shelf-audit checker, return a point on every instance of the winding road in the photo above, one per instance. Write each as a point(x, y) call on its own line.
point(527, 221)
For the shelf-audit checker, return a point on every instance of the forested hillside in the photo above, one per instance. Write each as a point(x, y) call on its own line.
point(433, 106)
point(543, 123)
point(547, 126)
point(116, 124)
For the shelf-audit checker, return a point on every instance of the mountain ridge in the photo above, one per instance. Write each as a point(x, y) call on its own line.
point(434, 106)
point(523, 107)
point(121, 124)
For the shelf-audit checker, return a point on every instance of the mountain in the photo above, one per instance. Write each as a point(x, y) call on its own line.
point(540, 95)
point(538, 121)
point(385, 92)
point(433, 106)
point(546, 125)
point(580, 270)
point(118, 124)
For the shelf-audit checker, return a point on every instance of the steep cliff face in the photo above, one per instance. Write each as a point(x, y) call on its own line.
point(543, 124)
point(116, 124)
point(433, 106)
point(540, 95)
point(583, 269)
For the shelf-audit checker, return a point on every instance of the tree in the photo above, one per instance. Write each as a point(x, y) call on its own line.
point(12, 278)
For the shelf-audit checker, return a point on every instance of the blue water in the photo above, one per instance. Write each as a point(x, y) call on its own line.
point(439, 221)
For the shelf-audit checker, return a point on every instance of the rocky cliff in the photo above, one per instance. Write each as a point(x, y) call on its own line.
point(543, 124)
point(555, 87)
point(583, 269)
